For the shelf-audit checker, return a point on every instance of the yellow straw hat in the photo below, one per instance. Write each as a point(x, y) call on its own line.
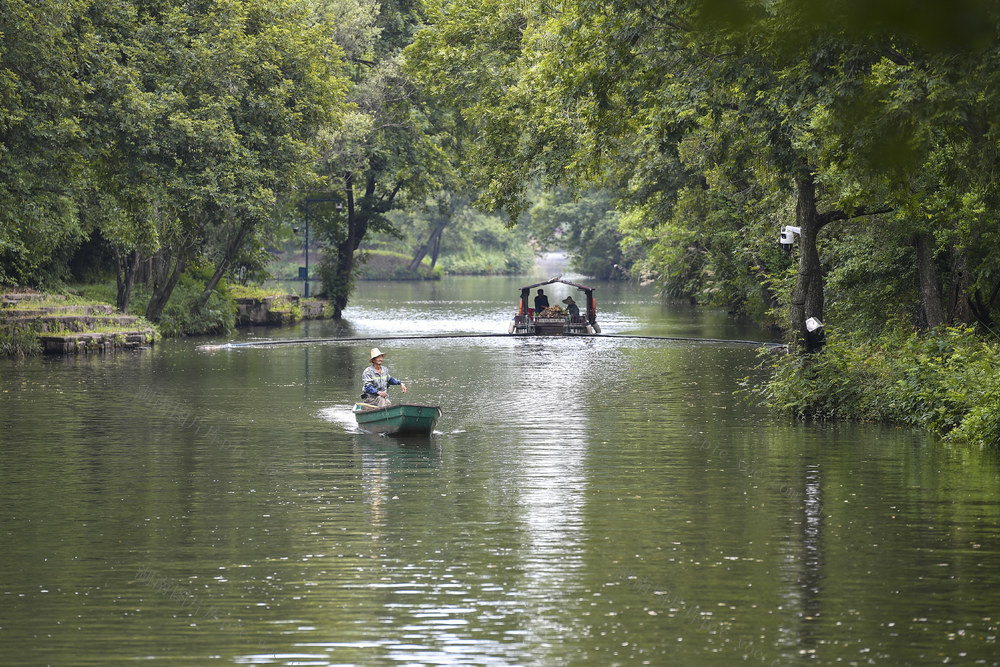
point(376, 353)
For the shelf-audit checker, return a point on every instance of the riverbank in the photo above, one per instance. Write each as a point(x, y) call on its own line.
point(946, 381)
point(33, 322)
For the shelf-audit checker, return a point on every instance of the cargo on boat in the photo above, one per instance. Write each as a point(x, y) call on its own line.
point(555, 320)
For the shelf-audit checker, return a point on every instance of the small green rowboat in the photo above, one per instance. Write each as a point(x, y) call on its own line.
point(402, 419)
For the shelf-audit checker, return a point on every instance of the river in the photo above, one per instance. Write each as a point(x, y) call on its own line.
point(584, 501)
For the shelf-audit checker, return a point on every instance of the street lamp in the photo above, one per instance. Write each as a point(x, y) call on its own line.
point(305, 275)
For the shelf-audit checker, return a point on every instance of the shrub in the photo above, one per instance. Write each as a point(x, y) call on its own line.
point(185, 315)
point(947, 381)
point(252, 292)
point(18, 341)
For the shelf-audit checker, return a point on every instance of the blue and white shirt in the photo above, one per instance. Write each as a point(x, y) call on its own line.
point(373, 382)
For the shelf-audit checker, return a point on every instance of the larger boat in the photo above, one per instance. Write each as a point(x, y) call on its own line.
point(555, 321)
point(398, 419)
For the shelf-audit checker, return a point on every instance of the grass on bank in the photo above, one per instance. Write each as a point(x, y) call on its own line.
point(19, 341)
point(390, 265)
point(51, 301)
point(187, 313)
point(946, 381)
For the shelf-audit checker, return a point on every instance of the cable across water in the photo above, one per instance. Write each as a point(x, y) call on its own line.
point(357, 339)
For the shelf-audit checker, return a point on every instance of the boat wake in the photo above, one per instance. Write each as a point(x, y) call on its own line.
point(343, 415)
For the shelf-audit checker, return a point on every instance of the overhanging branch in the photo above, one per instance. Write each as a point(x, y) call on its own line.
point(823, 219)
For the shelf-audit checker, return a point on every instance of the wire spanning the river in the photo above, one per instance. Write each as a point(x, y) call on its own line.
point(357, 339)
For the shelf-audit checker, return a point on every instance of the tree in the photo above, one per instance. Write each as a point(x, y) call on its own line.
point(441, 215)
point(727, 99)
point(390, 150)
point(42, 167)
point(204, 117)
point(587, 225)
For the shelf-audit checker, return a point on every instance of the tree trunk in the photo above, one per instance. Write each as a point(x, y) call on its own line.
point(958, 306)
point(338, 282)
point(232, 248)
point(340, 291)
point(807, 295)
point(436, 249)
point(981, 307)
point(168, 279)
point(433, 244)
point(930, 289)
point(128, 265)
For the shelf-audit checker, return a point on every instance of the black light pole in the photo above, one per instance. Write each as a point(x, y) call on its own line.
point(308, 201)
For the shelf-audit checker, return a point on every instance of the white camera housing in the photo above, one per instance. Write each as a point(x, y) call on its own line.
point(787, 238)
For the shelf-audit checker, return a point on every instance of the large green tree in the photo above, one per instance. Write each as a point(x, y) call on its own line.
point(42, 168)
point(720, 122)
point(167, 129)
point(392, 149)
point(205, 117)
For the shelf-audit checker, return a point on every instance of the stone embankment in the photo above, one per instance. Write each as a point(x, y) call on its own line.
point(70, 329)
point(66, 328)
point(278, 309)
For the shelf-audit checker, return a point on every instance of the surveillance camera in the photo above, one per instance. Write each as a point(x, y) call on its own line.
point(787, 236)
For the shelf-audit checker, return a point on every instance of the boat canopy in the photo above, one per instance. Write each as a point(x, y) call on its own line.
point(588, 292)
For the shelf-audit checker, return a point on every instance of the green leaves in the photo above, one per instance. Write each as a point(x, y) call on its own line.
point(153, 123)
point(944, 380)
point(41, 167)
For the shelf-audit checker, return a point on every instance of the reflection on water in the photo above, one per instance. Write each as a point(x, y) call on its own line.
point(585, 501)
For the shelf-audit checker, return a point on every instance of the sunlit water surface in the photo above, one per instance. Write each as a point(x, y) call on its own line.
point(602, 501)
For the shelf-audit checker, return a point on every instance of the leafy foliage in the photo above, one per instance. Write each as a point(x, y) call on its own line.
point(946, 380)
point(19, 341)
point(42, 167)
point(187, 315)
point(588, 225)
point(167, 131)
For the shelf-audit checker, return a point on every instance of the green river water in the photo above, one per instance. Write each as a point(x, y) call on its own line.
point(601, 501)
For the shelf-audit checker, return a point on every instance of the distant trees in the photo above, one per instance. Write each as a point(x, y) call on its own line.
point(715, 124)
point(586, 225)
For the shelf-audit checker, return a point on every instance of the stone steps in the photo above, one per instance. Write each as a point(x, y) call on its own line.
point(96, 342)
point(82, 323)
point(8, 299)
point(93, 309)
point(70, 329)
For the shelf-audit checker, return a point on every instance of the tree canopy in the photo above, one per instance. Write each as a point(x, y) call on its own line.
point(172, 129)
point(718, 122)
point(672, 141)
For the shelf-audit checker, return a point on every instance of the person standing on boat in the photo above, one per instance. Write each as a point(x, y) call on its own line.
point(541, 302)
point(571, 307)
point(375, 382)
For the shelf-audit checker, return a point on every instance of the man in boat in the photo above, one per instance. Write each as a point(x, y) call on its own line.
point(571, 307)
point(375, 382)
point(541, 302)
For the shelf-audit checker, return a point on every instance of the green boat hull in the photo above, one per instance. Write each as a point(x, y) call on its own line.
point(402, 419)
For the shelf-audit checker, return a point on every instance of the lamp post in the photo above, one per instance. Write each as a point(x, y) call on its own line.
point(309, 201)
